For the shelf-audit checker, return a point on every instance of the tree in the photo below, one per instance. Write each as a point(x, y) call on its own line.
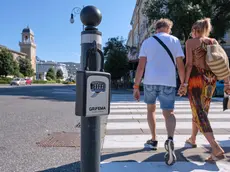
point(59, 74)
point(185, 13)
point(16, 69)
point(40, 76)
point(116, 58)
point(50, 74)
point(6, 62)
point(25, 67)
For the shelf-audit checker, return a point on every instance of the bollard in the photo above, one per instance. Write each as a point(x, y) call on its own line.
point(93, 90)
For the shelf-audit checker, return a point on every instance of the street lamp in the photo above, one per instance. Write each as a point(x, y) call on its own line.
point(71, 19)
point(75, 11)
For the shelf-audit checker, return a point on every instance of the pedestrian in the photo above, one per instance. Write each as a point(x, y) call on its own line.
point(159, 55)
point(200, 84)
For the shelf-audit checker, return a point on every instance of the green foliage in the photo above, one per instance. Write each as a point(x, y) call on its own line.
point(50, 74)
point(48, 78)
point(25, 67)
point(58, 81)
point(5, 80)
point(51, 82)
point(16, 69)
point(59, 74)
point(39, 82)
point(115, 54)
point(6, 63)
point(20, 75)
point(40, 76)
point(185, 13)
point(69, 82)
point(43, 82)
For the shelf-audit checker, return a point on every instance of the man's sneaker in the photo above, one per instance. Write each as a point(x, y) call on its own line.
point(170, 157)
point(151, 144)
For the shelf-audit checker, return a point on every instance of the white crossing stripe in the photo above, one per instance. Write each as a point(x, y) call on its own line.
point(157, 110)
point(160, 116)
point(135, 103)
point(160, 125)
point(137, 141)
point(114, 106)
point(122, 98)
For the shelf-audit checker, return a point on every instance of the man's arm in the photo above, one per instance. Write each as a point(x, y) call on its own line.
point(179, 61)
point(140, 70)
point(181, 69)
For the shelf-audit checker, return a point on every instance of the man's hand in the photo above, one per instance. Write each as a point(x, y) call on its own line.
point(182, 90)
point(138, 77)
point(136, 94)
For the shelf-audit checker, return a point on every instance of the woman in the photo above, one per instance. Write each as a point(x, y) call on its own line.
point(200, 84)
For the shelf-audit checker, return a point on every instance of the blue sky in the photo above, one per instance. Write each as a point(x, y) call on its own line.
point(55, 37)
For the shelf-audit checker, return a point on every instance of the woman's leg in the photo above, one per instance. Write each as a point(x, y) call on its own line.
point(194, 132)
point(200, 90)
point(216, 149)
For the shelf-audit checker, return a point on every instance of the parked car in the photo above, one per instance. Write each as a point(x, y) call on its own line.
point(18, 81)
point(219, 91)
point(28, 81)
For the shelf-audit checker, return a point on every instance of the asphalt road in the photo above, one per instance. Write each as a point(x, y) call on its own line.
point(28, 114)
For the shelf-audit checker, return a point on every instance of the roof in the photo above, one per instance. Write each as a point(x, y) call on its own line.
point(27, 30)
point(13, 51)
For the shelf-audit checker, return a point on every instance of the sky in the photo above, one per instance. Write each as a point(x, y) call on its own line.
point(56, 38)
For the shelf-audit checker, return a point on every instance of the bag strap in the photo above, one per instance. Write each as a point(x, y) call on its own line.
point(166, 48)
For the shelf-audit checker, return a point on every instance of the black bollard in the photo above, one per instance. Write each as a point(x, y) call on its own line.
point(93, 84)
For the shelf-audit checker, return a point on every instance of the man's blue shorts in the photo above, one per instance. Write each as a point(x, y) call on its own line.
point(165, 94)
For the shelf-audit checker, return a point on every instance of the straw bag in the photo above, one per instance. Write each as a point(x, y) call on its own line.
point(217, 60)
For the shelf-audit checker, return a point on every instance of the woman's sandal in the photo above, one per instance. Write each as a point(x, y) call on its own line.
point(189, 141)
point(214, 158)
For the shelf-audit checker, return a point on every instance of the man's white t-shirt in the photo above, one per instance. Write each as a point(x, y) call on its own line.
point(159, 69)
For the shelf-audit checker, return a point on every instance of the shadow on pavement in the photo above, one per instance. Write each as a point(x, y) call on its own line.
point(73, 167)
point(182, 165)
point(156, 163)
point(120, 154)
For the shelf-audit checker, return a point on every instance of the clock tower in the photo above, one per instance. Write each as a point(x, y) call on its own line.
point(28, 46)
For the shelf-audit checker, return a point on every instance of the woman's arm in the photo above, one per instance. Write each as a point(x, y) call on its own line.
point(227, 85)
point(189, 61)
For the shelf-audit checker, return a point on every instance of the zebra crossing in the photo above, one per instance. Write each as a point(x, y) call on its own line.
point(127, 131)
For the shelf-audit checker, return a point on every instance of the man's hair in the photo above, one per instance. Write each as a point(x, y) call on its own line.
point(163, 23)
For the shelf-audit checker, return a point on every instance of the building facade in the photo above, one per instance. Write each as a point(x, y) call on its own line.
point(141, 29)
point(43, 66)
point(139, 32)
point(28, 46)
point(72, 69)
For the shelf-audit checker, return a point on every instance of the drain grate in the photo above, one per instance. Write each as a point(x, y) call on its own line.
point(61, 139)
point(78, 125)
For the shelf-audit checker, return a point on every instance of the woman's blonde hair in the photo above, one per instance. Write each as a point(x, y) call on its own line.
point(203, 26)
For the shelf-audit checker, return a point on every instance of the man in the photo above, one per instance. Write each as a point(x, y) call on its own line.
point(160, 81)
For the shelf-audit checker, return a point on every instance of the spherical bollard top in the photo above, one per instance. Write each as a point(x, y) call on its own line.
point(91, 16)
